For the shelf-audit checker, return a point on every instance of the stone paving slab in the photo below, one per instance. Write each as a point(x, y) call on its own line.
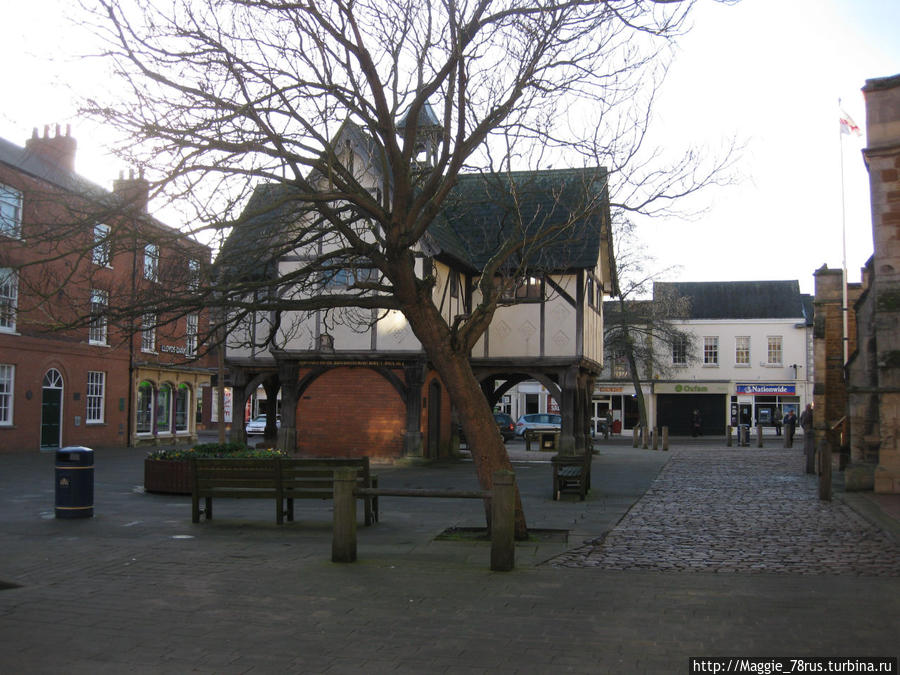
point(746, 510)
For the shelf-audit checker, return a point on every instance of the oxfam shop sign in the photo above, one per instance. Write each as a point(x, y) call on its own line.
point(691, 388)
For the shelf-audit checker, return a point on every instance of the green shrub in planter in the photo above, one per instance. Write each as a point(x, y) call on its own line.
point(217, 451)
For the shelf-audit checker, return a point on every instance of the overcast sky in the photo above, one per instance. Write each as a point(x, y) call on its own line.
point(768, 72)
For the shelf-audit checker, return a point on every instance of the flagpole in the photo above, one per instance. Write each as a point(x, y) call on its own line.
point(844, 309)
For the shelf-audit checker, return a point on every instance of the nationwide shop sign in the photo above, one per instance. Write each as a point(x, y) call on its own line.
point(767, 389)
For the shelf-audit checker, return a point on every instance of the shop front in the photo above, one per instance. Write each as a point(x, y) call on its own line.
point(676, 403)
point(165, 403)
point(765, 404)
point(621, 399)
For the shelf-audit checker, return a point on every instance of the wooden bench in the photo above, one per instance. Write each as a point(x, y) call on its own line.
point(572, 473)
point(277, 479)
point(312, 478)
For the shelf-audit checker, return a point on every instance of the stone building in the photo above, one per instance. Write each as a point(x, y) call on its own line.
point(873, 372)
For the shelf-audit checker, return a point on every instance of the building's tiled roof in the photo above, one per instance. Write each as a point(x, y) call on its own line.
point(739, 299)
point(485, 211)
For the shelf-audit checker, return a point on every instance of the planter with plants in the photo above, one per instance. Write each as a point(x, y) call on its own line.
point(169, 471)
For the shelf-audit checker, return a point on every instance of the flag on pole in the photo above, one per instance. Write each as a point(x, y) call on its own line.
point(848, 126)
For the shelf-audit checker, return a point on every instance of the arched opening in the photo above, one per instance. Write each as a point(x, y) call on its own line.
point(51, 409)
point(164, 409)
point(182, 408)
point(144, 408)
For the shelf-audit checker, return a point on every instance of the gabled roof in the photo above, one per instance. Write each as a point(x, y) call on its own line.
point(484, 211)
point(739, 299)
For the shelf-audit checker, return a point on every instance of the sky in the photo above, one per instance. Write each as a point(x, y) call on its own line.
point(768, 73)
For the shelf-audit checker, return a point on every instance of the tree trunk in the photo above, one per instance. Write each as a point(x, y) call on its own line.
point(476, 418)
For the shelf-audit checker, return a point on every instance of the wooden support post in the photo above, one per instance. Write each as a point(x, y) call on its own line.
point(728, 438)
point(634, 437)
point(809, 449)
point(759, 436)
point(343, 536)
point(655, 433)
point(825, 471)
point(665, 435)
point(503, 512)
point(644, 438)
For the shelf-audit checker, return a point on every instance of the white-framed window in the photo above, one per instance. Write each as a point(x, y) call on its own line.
point(742, 350)
point(9, 294)
point(144, 408)
point(151, 262)
point(182, 407)
point(94, 405)
point(774, 350)
point(148, 333)
point(164, 409)
point(100, 254)
point(679, 351)
point(99, 303)
point(190, 335)
point(10, 212)
point(7, 380)
point(711, 350)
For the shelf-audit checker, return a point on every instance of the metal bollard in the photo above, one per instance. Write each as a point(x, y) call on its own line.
point(343, 536)
point(503, 514)
point(728, 438)
point(825, 472)
point(665, 435)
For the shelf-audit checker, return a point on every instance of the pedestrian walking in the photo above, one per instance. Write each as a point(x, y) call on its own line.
point(806, 419)
point(790, 426)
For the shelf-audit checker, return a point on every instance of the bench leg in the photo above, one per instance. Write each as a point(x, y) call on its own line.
point(279, 511)
point(195, 508)
point(290, 509)
point(208, 510)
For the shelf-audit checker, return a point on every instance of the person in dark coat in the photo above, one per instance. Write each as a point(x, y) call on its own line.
point(790, 426)
point(696, 423)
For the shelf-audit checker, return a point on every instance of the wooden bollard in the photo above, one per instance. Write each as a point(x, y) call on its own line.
point(728, 438)
point(825, 471)
point(809, 448)
point(655, 434)
point(343, 536)
point(759, 436)
point(503, 515)
point(644, 439)
point(665, 440)
point(634, 437)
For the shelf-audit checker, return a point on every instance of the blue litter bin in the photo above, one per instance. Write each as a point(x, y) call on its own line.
point(74, 482)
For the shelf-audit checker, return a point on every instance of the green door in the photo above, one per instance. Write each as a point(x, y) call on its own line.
point(51, 409)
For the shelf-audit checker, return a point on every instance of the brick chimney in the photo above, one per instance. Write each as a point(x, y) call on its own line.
point(58, 149)
point(134, 192)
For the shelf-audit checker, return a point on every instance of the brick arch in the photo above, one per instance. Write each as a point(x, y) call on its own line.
point(351, 412)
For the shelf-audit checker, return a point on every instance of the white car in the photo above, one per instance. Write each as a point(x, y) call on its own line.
point(257, 426)
point(538, 422)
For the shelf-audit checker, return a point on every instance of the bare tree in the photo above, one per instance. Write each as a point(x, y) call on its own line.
point(225, 95)
point(642, 329)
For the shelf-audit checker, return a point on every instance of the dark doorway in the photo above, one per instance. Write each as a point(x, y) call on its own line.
point(675, 411)
point(51, 409)
point(434, 419)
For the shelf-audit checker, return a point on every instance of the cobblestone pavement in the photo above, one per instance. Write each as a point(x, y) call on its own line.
point(744, 510)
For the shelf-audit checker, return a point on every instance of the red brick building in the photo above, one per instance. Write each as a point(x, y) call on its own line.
point(77, 366)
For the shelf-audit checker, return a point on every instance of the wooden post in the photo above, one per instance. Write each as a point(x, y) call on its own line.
point(728, 439)
point(503, 510)
point(809, 448)
point(634, 437)
point(644, 439)
point(759, 436)
point(825, 471)
point(665, 434)
point(343, 536)
point(655, 433)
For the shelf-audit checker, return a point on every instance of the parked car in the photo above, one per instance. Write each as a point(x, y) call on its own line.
point(257, 426)
point(506, 425)
point(538, 422)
